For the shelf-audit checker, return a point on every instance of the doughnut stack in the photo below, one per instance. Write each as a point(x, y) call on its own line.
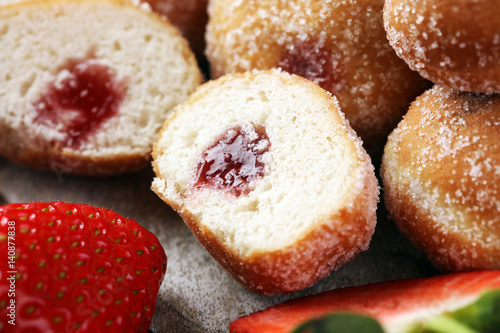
point(441, 165)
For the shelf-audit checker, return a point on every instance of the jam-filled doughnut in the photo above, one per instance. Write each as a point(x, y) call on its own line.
point(87, 86)
point(441, 176)
point(450, 42)
point(341, 45)
point(269, 176)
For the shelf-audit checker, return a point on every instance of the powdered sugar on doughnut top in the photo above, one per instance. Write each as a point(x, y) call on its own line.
point(446, 155)
point(450, 42)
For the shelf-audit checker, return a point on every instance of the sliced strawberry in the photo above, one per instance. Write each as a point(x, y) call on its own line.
point(414, 305)
point(76, 268)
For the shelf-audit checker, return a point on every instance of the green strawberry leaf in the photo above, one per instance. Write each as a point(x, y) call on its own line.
point(482, 316)
point(341, 323)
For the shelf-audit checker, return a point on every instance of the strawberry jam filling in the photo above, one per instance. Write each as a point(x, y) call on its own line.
point(234, 161)
point(84, 96)
point(309, 60)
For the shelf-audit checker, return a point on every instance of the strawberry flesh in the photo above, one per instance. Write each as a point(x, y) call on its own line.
point(79, 269)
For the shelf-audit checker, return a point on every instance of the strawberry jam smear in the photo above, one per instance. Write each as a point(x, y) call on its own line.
point(312, 61)
point(234, 161)
point(84, 96)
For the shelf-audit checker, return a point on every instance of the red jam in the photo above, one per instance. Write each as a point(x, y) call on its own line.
point(85, 97)
point(311, 61)
point(233, 161)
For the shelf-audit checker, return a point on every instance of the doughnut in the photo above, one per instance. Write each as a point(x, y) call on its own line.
point(87, 85)
point(269, 176)
point(450, 42)
point(441, 178)
point(341, 45)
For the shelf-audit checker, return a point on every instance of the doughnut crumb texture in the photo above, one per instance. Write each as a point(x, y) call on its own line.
point(450, 42)
point(90, 87)
point(340, 45)
point(441, 178)
point(309, 209)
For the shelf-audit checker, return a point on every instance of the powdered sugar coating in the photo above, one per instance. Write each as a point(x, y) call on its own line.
point(450, 42)
point(373, 85)
point(443, 161)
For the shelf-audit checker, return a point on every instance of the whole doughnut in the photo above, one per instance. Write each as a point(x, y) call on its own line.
point(450, 42)
point(441, 176)
point(341, 45)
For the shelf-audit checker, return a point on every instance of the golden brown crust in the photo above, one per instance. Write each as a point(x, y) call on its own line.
point(448, 251)
point(54, 158)
point(271, 273)
point(95, 166)
point(450, 42)
point(442, 180)
point(374, 87)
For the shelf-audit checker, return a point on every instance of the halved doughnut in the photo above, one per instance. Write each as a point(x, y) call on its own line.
point(269, 176)
point(86, 85)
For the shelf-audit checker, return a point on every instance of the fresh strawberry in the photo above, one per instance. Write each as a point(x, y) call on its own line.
point(76, 268)
point(453, 303)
